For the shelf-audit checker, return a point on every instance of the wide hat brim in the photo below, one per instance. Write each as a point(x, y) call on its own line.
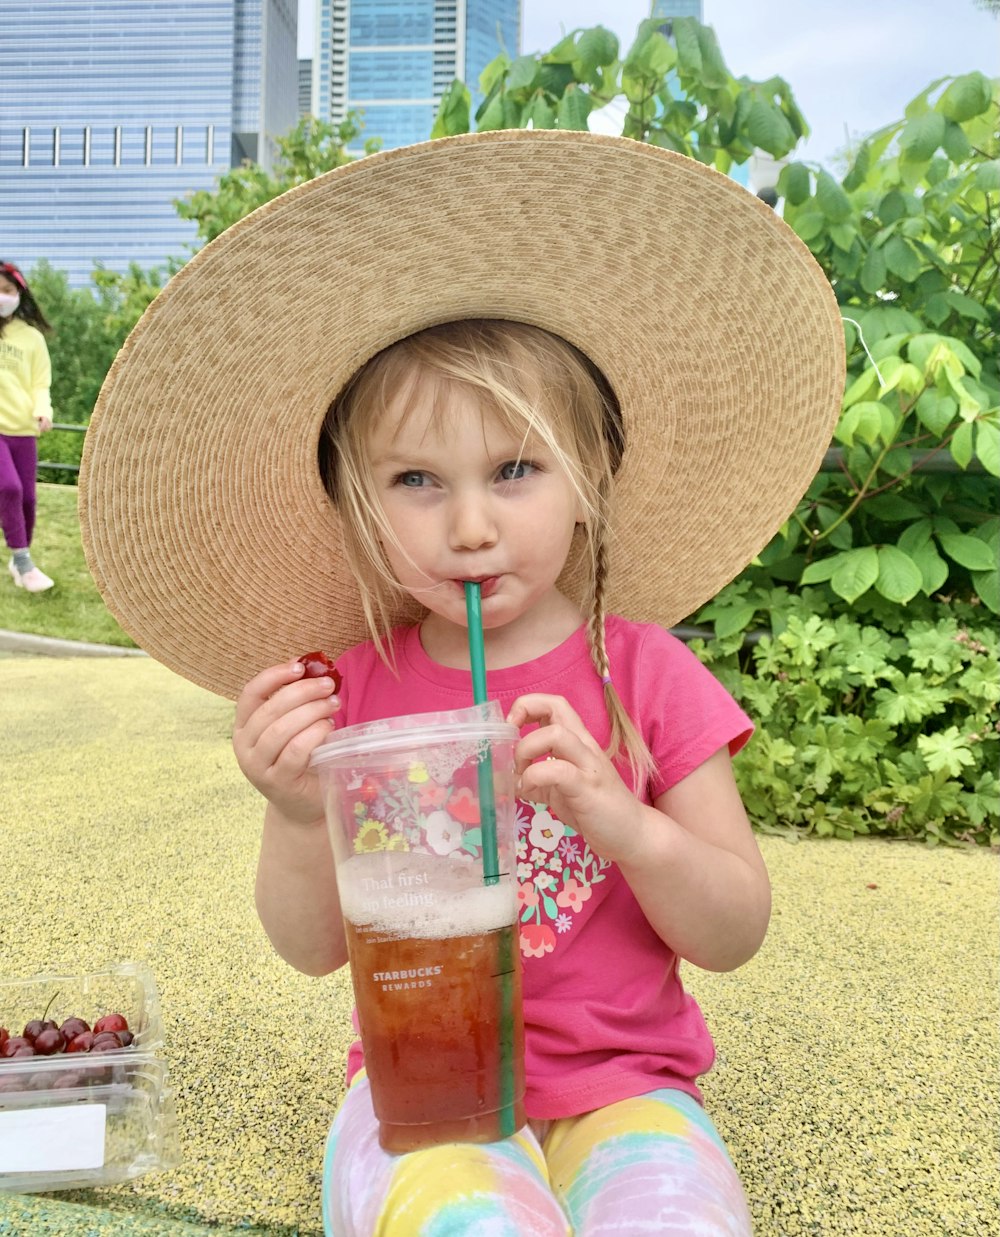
point(205, 522)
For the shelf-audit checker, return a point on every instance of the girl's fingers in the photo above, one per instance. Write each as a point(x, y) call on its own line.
point(557, 743)
point(262, 686)
point(544, 709)
point(290, 736)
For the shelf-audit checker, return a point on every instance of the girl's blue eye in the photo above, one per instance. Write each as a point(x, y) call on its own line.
point(515, 470)
point(412, 480)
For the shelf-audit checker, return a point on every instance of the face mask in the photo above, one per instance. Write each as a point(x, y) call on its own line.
point(8, 303)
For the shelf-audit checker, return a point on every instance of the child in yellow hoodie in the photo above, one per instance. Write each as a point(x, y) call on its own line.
point(25, 412)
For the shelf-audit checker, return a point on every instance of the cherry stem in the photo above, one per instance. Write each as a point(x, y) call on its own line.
point(49, 1006)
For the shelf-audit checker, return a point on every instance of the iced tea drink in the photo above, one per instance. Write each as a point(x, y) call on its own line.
point(430, 914)
point(438, 996)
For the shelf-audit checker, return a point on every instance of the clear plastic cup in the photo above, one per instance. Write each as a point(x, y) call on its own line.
point(430, 911)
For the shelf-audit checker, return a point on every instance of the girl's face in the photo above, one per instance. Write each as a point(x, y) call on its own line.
point(467, 499)
point(8, 287)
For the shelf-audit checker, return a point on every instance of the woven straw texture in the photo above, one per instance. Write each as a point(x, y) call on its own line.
point(204, 519)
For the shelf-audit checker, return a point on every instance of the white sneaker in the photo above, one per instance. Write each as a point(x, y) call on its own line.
point(33, 581)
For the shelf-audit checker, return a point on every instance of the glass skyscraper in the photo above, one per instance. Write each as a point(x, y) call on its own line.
point(109, 111)
point(392, 60)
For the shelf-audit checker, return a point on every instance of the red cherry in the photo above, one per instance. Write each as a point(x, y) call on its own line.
point(73, 1027)
point(67, 1080)
point(33, 1028)
point(317, 665)
point(106, 1043)
point(49, 1041)
point(110, 1022)
point(81, 1043)
point(125, 1038)
point(4, 1036)
point(17, 1046)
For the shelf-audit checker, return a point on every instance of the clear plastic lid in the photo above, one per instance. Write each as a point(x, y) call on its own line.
point(416, 730)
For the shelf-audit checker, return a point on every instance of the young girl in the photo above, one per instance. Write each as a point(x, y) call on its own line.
point(25, 412)
point(594, 377)
point(485, 451)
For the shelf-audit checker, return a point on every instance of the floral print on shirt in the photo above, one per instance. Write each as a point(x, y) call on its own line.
point(556, 872)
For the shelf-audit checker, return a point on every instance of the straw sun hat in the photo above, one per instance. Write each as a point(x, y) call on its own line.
point(205, 522)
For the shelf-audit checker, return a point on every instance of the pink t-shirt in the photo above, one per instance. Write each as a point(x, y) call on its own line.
point(606, 1016)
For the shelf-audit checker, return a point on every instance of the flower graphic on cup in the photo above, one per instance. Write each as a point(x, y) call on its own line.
point(444, 834)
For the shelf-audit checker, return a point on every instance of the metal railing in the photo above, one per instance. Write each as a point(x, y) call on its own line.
point(55, 467)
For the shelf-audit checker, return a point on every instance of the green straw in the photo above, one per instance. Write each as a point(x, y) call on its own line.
point(491, 861)
point(487, 804)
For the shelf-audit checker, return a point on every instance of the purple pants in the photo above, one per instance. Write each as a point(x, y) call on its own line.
point(18, 465)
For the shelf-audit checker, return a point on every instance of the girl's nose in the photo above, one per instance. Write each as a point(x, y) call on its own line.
point(472, 525)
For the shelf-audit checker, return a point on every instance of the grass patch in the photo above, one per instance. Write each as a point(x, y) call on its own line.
point(73, 610)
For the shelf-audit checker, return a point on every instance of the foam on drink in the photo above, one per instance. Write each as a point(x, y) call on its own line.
point(399, 894)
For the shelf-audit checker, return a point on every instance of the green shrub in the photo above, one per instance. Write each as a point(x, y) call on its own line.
point(877, 723)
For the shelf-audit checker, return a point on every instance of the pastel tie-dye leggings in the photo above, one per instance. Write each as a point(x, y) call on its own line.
point(653, 1164)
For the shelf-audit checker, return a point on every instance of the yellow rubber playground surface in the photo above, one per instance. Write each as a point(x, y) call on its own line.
point(857, 1075)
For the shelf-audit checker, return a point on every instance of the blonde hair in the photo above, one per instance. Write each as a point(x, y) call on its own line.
point(537, 385)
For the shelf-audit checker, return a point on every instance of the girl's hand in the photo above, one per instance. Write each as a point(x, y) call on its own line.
point(44, 424)
point(561, 764)
point(281, 717)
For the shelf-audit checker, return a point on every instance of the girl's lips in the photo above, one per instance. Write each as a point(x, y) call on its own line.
point(487, 584)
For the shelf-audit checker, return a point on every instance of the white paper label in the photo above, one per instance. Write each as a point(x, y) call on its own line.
point(45, 1140)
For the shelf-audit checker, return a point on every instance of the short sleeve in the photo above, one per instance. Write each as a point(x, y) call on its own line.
point(685, 713)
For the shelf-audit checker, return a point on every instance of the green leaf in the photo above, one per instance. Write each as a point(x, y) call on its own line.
point(946, 752)
point(988, 446)
point(967, 550)
point(688, 47)
point(916, 535)
point(922, 136)
point(821, 569)
point(734, 619)
point(453, 111)
point(554, 78)
point(893, 509)
point(936, 411)
point(714, 73)
point(933, 568)
point(493, 74)
point(892, 207)
point(967, 96)
point(965, 305)
point(809, 225)
point(550, 906)
point(873, 271)
point(597, 47)
point(833, 201)
point(961, 445)
point(522, 73)
point(491, 115)
point(899, 577)
point(987, 585)
point(861, 387)
point(867, 421)
point(843, 235)
point(574, 108)
point(540, 112)
point(793, 183)
point(768, 129)
point(901, 259)
point(855, 178)
point(988, 176)
point(856, 573)
point(955, 143)
point(968, 404)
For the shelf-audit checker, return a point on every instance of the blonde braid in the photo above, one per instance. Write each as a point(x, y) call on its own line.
point(625, 738)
